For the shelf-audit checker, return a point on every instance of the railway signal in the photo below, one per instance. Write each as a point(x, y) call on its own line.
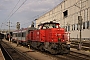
point(80, 20)
point(18, 27)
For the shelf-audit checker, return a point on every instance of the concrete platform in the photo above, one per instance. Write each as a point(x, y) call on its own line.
point(1, 55)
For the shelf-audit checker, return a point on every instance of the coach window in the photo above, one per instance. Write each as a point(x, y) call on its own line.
point(19, 34)
point(16, 34)
point(24, 34)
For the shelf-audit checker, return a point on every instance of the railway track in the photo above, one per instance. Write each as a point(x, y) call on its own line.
point(85, 45)
point(72, 56)
point(13, 54)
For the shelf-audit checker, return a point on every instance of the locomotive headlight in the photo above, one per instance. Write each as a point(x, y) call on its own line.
point(59, 39)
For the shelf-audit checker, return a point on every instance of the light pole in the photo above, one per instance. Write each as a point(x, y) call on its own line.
point(9, 29)
point(80, 24)
point(80, 20)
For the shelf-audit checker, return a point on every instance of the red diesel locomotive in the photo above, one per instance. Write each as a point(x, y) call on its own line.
point(48, 37)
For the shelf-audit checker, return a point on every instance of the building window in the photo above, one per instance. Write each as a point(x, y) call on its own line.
point(77, 27)
point(68, 28)
point(74, 26)
point(83, 25)
point(61, 6)
point(88, 24)
point(65, 13)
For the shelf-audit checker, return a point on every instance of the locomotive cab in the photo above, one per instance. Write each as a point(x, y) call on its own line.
point(48, 25)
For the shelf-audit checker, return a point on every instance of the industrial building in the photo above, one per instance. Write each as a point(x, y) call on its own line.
point(70, 14)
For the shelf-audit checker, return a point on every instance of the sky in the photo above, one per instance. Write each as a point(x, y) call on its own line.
point(23, 11)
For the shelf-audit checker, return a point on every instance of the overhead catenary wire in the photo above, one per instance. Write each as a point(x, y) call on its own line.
point(17, 9)
point(12, 10)
point(12, 13)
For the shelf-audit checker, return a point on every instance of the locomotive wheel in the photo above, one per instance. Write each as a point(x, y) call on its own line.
point(53, 51)
point(41, 48)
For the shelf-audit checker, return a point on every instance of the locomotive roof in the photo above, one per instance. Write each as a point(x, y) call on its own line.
point(48, 23)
